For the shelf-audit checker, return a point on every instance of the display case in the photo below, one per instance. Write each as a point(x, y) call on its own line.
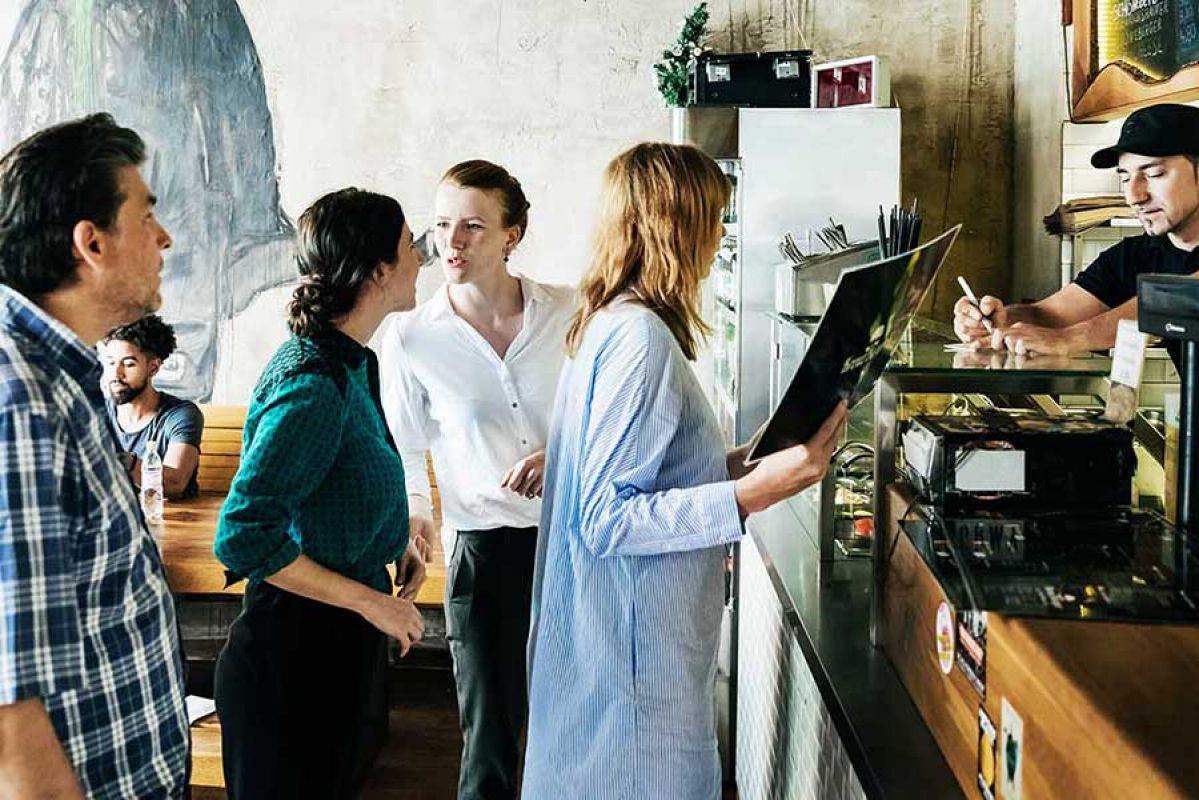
point(725, 308)
point(924, 366)
point(1026, 636)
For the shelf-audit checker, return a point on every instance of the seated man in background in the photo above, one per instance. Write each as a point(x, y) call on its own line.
point(1157, 159)
point(132, 355)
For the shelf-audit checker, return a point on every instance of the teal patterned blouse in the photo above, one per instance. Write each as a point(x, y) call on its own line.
point(319, 472)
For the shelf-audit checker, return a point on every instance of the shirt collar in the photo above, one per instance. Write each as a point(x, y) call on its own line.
point(338, 345)
point(21, 317)
point(1166, 246)
point(532, 291)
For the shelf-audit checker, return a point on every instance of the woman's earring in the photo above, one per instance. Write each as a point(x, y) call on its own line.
point(506, 254)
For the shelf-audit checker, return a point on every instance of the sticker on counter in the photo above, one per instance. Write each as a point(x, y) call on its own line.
point(986, 755)
point(1011, 762)
point(971, 649)
point(945, 637)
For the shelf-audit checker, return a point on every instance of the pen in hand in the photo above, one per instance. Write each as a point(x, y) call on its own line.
point(974, 302)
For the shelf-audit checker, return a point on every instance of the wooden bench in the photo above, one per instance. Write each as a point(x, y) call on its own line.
point(220, 447)
point(207, 769)
point(220, 456)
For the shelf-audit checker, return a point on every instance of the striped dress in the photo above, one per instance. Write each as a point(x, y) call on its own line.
point(628, 586)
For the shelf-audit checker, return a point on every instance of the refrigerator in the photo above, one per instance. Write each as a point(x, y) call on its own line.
point(792, 170)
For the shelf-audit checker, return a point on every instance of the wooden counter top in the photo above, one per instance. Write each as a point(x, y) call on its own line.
point(185, 539)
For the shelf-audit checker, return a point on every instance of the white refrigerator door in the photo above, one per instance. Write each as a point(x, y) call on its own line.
point(800, 167)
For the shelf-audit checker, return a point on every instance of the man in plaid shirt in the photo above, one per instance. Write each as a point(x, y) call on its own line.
point(91, 682)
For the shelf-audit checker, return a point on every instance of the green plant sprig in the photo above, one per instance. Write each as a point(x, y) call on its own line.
point(672, 70)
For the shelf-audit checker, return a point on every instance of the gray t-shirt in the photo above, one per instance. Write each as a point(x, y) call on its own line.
point(176, 422)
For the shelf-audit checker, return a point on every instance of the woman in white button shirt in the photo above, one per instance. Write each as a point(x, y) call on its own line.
point(470, 376)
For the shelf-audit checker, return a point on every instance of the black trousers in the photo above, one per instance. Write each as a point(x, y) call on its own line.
point(489, 587)
point(301, 691)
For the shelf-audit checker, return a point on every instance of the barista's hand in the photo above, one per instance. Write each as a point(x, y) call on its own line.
point(968, 321)
point(410, 572)
point(1022, 338)
point(424, 534)
point(787, 472)
point(527, 476)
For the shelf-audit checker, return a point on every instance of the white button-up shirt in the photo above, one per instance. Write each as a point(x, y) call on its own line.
point(446, 390)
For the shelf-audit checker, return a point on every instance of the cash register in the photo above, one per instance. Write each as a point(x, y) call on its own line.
point(1168, 306)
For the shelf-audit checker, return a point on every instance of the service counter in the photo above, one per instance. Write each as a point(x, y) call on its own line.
point(848, 675)
point(820, 712)
point(1064, 665)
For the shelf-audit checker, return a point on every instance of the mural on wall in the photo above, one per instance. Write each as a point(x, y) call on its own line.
point(185, 74)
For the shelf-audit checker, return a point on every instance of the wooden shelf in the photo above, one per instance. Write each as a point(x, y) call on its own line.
point(1116, 93)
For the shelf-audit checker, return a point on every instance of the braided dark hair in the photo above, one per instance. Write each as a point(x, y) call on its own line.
point(341, 240)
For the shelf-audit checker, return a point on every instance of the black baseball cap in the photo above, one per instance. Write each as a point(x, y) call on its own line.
point(1166, 129)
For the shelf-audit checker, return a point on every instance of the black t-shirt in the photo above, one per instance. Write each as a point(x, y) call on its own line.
point(1112, 277)
point(176, 422)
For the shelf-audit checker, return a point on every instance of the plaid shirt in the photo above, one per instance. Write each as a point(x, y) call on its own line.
point(86, 619)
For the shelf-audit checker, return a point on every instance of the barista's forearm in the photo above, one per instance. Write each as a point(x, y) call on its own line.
point(1032, 314)
point(1099, 332)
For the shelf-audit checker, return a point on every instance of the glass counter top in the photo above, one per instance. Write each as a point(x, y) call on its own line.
point(923, 349)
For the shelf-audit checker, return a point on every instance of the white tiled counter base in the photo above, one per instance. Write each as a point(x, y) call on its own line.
point(787, 746)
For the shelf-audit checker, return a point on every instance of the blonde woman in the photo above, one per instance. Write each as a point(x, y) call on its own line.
point(640, 499)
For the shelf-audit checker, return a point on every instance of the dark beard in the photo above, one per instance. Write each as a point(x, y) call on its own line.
point(128, 395)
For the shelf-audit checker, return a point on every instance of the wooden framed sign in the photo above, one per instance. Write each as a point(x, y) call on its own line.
point(1132, 53)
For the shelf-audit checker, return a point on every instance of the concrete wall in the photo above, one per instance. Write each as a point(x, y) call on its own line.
point(951, 73)
point(386, 95)
point(1039, 108)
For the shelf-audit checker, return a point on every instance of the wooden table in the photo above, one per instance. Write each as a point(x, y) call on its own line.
point(185, 539)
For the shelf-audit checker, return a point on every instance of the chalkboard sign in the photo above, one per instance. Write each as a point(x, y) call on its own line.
point(1153, 39)
point(1131, 53)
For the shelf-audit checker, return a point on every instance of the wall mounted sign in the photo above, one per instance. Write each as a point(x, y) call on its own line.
point(1132, 53)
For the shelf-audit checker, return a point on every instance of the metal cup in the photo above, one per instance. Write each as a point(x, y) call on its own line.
point(426, 248)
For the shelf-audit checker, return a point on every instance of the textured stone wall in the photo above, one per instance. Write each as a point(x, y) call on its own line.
point(952, 74)
point(1038, 109)
point(386, 95)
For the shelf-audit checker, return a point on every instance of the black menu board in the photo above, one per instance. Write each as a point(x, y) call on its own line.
point(1152, 38)
point(870, 310)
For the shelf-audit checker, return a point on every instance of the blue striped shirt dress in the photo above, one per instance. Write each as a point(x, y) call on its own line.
point(629, 577)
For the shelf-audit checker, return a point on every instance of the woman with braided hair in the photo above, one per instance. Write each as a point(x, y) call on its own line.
point(315, 513)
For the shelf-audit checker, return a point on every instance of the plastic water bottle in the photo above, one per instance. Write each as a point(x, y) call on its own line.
point(152, 484)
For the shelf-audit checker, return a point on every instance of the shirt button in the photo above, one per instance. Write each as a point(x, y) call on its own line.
point(524, 441)
point(514, 405)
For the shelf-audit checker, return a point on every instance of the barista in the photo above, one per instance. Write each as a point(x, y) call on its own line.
point(1157, 159)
